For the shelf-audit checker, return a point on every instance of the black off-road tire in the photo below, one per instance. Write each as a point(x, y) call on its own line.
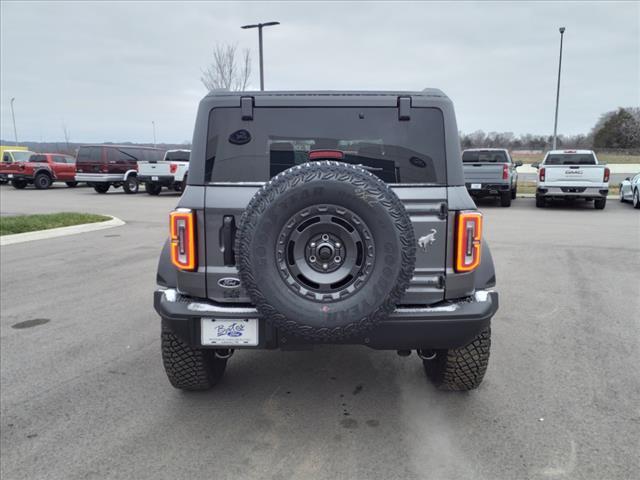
point(514, 193)
point(72, 184)
point(18, 183)
point(153, 188)
point(636, 198)
point(505, 199)
point(131, 185)
point(101, 187)
point(541, 202)
point(463, 368)
point(308, 189)
point(188, 368)
point(600, 203)
point(42, 181)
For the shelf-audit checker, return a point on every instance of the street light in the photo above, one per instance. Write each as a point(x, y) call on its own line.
point(259, 27)
point(13, 116)
point(555, 125)
point(154, 133)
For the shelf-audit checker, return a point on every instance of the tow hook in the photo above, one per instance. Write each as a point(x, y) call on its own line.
point(426, 354)
point(224, 354)
point(404, 353)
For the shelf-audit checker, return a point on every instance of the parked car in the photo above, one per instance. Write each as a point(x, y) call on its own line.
point(572, 174)
point(491, 172)
point(105, 166)
point(326, 217)
point(630, 190)
point(41, 170)
point(172, 172)
point(10, 155)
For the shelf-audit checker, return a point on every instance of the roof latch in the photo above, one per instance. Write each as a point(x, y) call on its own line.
point(246, 108)
point(404, 108)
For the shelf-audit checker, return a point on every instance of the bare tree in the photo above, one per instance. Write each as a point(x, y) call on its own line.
point(229, 70)
point(67, 135)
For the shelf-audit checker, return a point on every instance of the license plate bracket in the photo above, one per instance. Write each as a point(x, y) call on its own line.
point(224, 332)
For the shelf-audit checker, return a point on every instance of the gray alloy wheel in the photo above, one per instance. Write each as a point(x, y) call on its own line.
point(131, 185)
point(42, 181)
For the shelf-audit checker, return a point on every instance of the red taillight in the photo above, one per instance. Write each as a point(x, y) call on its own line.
point(505, 172)
point(183, 243)
point(607, 172)
point(468, 241)
point(542, 174)
point(173, 167)
point(326, 154)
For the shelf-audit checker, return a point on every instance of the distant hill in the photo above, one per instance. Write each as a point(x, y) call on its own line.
point(71, 148)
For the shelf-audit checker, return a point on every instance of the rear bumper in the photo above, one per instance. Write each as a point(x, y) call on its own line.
point(573, 191)
point(487, 188)
point(164, 180)
point(444, 325)
point(100, 177)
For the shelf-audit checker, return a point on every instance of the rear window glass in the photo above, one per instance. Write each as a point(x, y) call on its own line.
point(38, 159)
point(570, 159)
point(279, 138)
point(177, 156)
point(90, 155)
point(481, 156)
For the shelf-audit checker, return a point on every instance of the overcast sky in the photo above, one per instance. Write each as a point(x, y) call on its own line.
point(108, 69)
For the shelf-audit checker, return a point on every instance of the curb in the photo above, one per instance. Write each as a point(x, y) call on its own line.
point(60, 232)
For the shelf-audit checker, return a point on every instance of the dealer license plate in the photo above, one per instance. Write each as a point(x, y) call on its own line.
point(229, 333)
point(476, 186)
point(155, 179)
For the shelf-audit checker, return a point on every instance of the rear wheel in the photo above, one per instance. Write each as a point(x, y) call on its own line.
point(101, 187)
point(505, 199)
point(541, 202)
point(153, 188)
point(636, 199)
point(460, 368)
point(621, 194)
point(514, 193)
point(189, 368)
point(42, 181)
point(19, 183)
point(131, 185)
point(599, 203)
point(72, 184)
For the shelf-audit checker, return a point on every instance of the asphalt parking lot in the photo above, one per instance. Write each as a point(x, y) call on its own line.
point(84, 394)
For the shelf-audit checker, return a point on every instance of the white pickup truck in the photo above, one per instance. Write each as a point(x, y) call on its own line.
point(572, 174)
point(169, 172)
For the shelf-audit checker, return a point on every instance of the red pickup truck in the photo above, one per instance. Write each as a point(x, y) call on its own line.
point(42, 169)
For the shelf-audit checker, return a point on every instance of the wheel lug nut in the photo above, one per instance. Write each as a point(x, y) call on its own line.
point(337, 244)
point(325, 237)
point(313, 245)
point(337, 259)
point(325, 266)
point(312, 259)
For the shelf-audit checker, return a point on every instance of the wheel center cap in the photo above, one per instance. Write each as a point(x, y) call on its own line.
point(325, 252)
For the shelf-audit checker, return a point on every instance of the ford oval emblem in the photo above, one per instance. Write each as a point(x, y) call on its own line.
point(240, 137)
point(229, 282)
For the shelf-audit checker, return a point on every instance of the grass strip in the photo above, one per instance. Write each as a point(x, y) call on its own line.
point(10, 225)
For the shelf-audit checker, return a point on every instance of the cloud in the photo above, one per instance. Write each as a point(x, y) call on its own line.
point(109, 69)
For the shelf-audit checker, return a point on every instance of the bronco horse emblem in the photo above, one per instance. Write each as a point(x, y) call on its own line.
point(424, 242)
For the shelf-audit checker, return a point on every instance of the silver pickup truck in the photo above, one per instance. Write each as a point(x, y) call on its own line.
point(490, 172)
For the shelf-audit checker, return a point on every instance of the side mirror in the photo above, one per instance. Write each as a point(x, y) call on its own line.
point(535, 165)
point(518, 164)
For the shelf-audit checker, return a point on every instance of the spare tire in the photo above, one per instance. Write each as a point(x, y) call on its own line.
point(325, 250)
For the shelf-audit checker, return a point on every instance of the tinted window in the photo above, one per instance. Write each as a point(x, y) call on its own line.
point(70, 159)
point(38, 159)
point(570, 159)
point(59, 159)
point(279, 138)
point(90, 155)
point(22, 156)
point(181, 156)
point(481, 156)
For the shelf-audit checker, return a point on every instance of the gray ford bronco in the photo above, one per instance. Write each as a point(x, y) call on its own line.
point(326, 218)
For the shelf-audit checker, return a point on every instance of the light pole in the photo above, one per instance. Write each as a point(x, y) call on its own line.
point(259, 27)
point(153, 122)
point(555, 124)
point(13, 117)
